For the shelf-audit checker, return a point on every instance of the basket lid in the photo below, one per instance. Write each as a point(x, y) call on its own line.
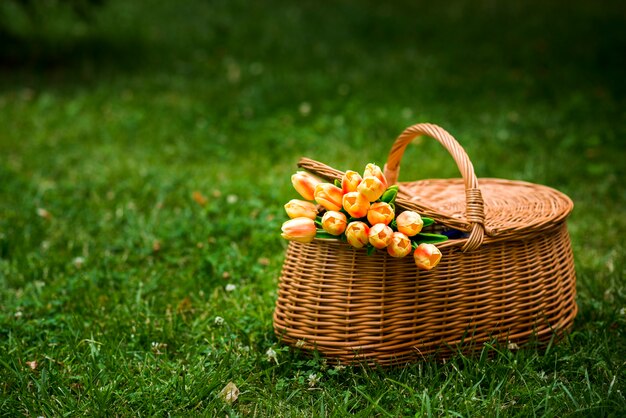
point(510, 207)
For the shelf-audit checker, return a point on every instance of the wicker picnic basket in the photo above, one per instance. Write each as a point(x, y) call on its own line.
point(509, 280)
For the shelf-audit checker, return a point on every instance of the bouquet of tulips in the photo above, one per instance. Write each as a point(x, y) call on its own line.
point(360, 210)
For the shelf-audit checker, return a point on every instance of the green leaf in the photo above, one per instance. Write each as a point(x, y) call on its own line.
point(389, 196)
point(394, 187)
point(352, 219)
point(325, 235)
point(424, 238)
point(338, 183)
point(427, 222)
point(371, 250)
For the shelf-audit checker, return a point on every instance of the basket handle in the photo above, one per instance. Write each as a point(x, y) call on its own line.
point(475, 208)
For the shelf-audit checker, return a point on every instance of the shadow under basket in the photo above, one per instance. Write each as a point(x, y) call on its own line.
point(511, 279)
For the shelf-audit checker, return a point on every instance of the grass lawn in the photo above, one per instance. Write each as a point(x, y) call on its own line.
point(112, 276)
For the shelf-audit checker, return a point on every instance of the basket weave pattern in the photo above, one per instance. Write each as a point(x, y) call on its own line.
point(511, 279)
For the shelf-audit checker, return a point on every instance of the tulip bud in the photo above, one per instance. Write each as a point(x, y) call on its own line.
point(329, 196)
point(350, 181)
point(372, 188)
point(300, 209)
point(380, 235)
point(305, 183)
point(334, 222)
point(357, 234)
point(299, 229)
point(409, 223)
point(355, 204)
point(400, 245)
point(375, 171)
point(380, 213)
point(427, 256)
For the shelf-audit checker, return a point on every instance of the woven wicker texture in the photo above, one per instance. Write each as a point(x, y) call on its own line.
point(511, 280)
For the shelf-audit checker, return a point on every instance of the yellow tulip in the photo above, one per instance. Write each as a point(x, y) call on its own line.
point(305, 183)
point(329, 196)
point(372, 188)
point(334, 222)
point(380, 236)
point(409, 223)
point(357, 234)
point(350, 181)
point(400, 245)
point(299, 229)
point(355, 204)
point(380, 213)
point(427, 256)
point(374, 171)
point(301, 209)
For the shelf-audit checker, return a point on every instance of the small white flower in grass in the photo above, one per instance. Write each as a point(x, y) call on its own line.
point(43, 213)
point(513, 346)
point(230, 287)
point(622, 311)
point(158, 348)
point(271, 355)
point(313, 380)
point(229, 393)
point(304, 108)
point(219, 320)
point(231, 199)
point(78, 262)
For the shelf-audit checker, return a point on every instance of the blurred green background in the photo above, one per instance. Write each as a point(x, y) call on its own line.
point(113, 113)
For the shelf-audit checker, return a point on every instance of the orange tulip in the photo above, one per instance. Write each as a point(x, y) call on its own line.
point(299, 229)
point(329, 196)
point(372, 188)
point(356, 204)
point(375, 171)
point(334, 222)
point(400, 245)
point(350, 181)
point(301, 209)
point(357, 234)
point(305, 183)
point(380, 213)
point(409, 223)
point(427, 256)
point(380, 235)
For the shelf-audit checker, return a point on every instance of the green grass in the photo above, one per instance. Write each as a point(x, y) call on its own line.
point(115, 288)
